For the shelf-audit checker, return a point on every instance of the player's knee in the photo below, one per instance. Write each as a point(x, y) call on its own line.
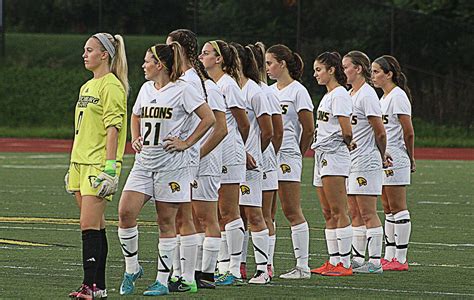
point(327, 214)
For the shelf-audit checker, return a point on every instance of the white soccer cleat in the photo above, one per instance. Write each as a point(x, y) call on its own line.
point(368, 268)
point(296, 273)
point(260, 278)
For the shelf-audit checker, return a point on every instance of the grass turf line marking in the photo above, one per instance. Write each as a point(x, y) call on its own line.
point(22, 243)
point(370, 289)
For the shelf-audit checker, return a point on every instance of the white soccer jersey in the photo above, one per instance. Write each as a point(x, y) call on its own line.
point(256, 106)
point(293, 99)
point(270, 162)
point(396, 103)
point(365, 103)
point(233, 152)
point(211, 164)
point(192, 77)
point(334, 104)
point(163, 113)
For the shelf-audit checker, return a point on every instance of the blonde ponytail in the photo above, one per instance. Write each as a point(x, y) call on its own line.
point(119, 64)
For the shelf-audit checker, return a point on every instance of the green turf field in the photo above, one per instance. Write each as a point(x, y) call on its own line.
point(40, 245)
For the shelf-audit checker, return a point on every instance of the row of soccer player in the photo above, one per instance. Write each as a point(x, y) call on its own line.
point(213, 122)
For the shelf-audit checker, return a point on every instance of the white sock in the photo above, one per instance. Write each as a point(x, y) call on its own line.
point(129, 242)
point(176, 259)
point(200, 241)
point(223, 258)
point(271, 248)
point(260, 249)
point(300, 238)
point(374, 240)
point(235, 239)
point(344, 242)
point(210, 250)
point(245, 247)
point(333, 248)
point(166, 247)
point(188, 252)
point(359, 243)
point(389, 237)
point(402, 234)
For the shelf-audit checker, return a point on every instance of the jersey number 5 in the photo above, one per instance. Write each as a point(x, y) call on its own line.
point(149, 128)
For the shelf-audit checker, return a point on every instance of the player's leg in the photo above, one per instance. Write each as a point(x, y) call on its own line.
point(389, 229)
point(359, 230)
point(267, 205)
point(260, 239)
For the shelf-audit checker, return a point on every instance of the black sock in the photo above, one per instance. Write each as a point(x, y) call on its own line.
point(91, 249)
point(207, 276)
point(100, 275)
point(197, 275)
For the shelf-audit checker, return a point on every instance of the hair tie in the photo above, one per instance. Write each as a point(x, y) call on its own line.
point(153, 50)
point(215, 45)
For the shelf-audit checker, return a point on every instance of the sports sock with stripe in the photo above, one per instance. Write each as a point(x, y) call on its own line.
point(402, 234)
point(100, 275)
point(374, 239)
point(210, 250)
point(300, 239)
point(235, 239)
point(333, 248)
point(260, 248)
point(200, 241)
point(91, 250)
point(188, 253)
point(166, 247)
point(359, 243)
point(271, 248)
point(245, 247)
point(176, 259)
point(344, 242)
point(389, 237)
point(128, 238)
point(223, 258)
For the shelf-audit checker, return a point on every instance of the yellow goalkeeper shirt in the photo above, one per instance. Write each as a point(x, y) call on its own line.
point(102, 103)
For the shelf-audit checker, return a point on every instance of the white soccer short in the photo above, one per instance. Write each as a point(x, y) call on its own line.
point(233, 174)
point(289, 167)
point(167, 186)
point(365, 183)
point(251, 189)
point(270, 181)
point(399, 173)
point(336, 163)
point(206, 188)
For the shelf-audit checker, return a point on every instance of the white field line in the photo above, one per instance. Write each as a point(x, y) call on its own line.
point(33, 167)
point(394, 292)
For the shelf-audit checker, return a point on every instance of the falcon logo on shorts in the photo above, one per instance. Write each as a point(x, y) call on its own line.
point(174, 186)
point(224, 170)
point(361, 181)
point(264, 175)
point(194, 184)
point(388, 173)
point(92, 178)
point(244, 189)
point(324, 163)
point(285, 168)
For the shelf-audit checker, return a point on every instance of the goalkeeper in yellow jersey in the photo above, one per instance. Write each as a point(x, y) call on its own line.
point(96, 158)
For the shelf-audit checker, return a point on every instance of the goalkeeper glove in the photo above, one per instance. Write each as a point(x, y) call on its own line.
point(107, 180)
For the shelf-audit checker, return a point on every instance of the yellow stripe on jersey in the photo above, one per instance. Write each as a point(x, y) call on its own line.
point(102, 103)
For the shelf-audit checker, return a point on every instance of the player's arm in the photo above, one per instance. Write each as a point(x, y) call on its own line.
point(204, 112)
point(380, 135)
point(409, 138)
point(266, 130)
point(307, 122)
point(137, 140)
point(277, 123)
point(217, 135)
point(346, 130)
point(243, 123)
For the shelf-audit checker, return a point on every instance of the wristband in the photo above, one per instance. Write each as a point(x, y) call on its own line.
point(110, 167)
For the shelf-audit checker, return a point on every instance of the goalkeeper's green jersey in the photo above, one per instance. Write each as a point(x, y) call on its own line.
point(102, 103)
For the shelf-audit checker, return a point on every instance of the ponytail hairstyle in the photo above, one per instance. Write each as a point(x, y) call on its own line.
point(115, 47)
point(293, 60)
point(170, 57)
point(258, 50)
point(361, 59)
point(333, 60)
point(188, 41)
point(230, 58)
point(389, 63)
point(247, 62)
